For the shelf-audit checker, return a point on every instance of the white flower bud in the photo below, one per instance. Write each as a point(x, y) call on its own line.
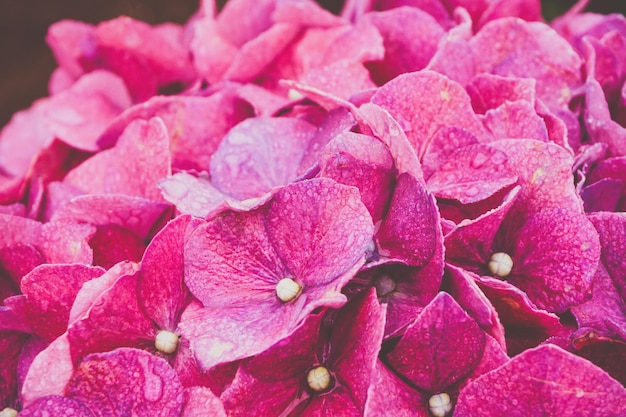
point(166, 341)
point(8, 412)
point(288, 290)
point(440, 405)
point(500, 264)
point(319, 379)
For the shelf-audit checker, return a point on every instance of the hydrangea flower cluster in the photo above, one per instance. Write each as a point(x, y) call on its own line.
point(412, 208)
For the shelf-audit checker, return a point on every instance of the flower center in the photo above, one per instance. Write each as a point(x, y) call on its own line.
point(500, 264)
point(8, 412)
point(319, 379)
point(288, 290)
point(166, 341)
point(385, 285)
point(440, 405)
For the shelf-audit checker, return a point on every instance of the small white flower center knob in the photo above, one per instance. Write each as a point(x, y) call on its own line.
point(440, 405)
point(500, 264)
point(385, 285)
point(166, 341)
point(8, 412)
point(288, 290)
point(319, 379)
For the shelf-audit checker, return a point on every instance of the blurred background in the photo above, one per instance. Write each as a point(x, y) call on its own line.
point(26, 62)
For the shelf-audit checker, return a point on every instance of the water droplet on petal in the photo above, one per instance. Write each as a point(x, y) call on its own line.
point(498, 157)
point(479, 160)
point(472, 191)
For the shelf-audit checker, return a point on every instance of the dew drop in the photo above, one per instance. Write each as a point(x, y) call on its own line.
point(498, 157)
point(472, 191)
point(479, 160)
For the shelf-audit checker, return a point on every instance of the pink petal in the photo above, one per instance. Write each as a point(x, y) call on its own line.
point(547, 380)
point(109, 171)
point(102, 383)
point(433, 101)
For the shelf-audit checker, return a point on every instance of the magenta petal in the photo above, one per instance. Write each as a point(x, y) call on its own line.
point(442, 346)
point(230, 260)
point(78, 115)
point(410, 231)
point(68, 39)
point(220, 335)
point(544, 171)
point(531, 50)
point(382, 125)
point(197, 196)
point(410, 38)
point(490, 91)
point(49, 372)
point(470, 242)
point(525, 325)
point(462, 177)
point(110, 171)
point(56, 405)
point(343, 78)
point(271, 382)
point(555, 258)
point(192, 123)
point(199, 401)
point(160, 286)
point(543, 381)
point(320, 229)
point(433, 101)
point(389, 395)
point(259, 154)
point(445, 142)
point(145, 57)
point(254, 57)
point(113, 320)
point(462, 286)
point(50, 291)
point(605, 312)
point(126, 382)
point(355, 343)
point(211, 51)
point(141, 217)
point(517, 119)
point(610, 227)
point(363, 162)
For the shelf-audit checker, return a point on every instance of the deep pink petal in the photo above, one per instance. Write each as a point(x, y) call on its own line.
point(429, 353)
point(51, 290)
point(555, 258)
point(547, 380)
point(319, 228)
point(160, 281)
point(199, 401)
point(259, 154)
point(126, 382)
point(110, 172)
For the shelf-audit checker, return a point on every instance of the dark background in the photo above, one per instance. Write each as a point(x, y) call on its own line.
point(26, 62)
